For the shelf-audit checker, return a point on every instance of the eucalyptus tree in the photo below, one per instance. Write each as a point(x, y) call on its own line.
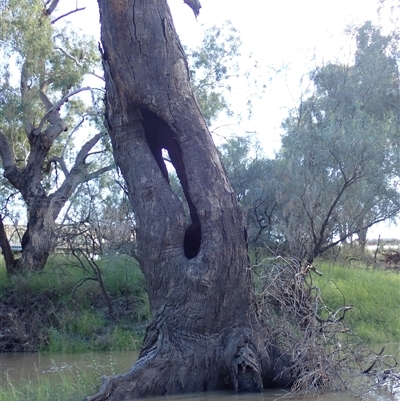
point(256, 181)
point(206, 332)
point(212, 66)
point(44, 63)
point(340, 149)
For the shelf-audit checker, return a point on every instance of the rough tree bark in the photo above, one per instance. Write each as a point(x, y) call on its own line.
point(206, 333)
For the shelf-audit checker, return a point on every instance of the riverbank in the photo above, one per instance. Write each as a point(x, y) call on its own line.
point(74, 306)
point(67, 308)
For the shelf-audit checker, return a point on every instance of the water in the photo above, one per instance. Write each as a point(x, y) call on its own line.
point(28, 366)
point(19, 366)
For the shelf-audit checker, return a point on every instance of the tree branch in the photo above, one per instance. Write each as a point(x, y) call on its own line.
point(11, 171)
point(68, 13)
point(60, 161)
point(81, 157)
point(74, 59)
point(52, 7)
point(54, 107)
point(98, 173)
point(98, 76)
point(77, 175)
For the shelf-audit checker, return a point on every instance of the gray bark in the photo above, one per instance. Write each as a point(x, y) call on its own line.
point(206, 333)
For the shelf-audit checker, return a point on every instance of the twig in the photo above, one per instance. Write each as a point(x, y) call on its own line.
point(68, 13)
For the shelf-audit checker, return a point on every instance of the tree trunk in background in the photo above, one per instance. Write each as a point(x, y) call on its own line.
point(6, 248)
point(206, 333)
point(37, 241)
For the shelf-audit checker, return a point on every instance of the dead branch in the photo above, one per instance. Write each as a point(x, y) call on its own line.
point(325, 354)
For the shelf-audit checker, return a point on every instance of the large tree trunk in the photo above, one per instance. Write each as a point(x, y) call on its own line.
point(206, 333)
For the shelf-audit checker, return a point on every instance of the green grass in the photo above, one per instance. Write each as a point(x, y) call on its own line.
point(374, 293)
point(77, 317)
point(74, 315)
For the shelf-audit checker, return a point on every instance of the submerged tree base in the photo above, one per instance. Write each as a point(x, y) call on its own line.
point(222, 365)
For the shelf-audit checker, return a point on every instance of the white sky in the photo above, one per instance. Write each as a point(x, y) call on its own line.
point(277, 33)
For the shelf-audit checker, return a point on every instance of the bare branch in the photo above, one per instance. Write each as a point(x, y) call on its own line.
point(71, 134)
point(6, 153)
point(55, 107)
point(74, 59)
point(83, 153)
point(68, 13)
point(77, 175)
point(97, 76)
point(24, 89)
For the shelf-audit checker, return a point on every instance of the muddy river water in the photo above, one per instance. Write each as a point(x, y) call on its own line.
point(24, 366)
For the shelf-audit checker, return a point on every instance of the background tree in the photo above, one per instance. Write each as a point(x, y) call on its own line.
point(336, 174)
point(205, 333)
point(256, 181)
point(340, 149)
point(38, 115)
point(211, 66)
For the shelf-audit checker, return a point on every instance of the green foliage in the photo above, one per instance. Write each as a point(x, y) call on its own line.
point(4, 279)
point(51, 58)
point(256, 181)
point(212, 66)
point(64, 342)
point(373, 293)
point(340, 150)
point(26, 29)
point(43, 63)
point(125, 340)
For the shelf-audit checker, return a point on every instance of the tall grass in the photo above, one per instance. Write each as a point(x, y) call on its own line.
point(374, 293)
point(71, 385)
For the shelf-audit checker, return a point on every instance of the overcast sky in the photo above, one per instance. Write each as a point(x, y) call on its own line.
point(292, 33)
point(277, 33)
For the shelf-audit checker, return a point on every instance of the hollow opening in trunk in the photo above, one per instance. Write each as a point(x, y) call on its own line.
point(192, 240)
point(165, 148)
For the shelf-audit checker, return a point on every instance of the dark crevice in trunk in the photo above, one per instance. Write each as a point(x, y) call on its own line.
point(159, 136)
point(192, 240)
point(156, 131)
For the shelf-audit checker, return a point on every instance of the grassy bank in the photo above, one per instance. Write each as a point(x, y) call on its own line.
point(65, 309)
point(374, 293)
